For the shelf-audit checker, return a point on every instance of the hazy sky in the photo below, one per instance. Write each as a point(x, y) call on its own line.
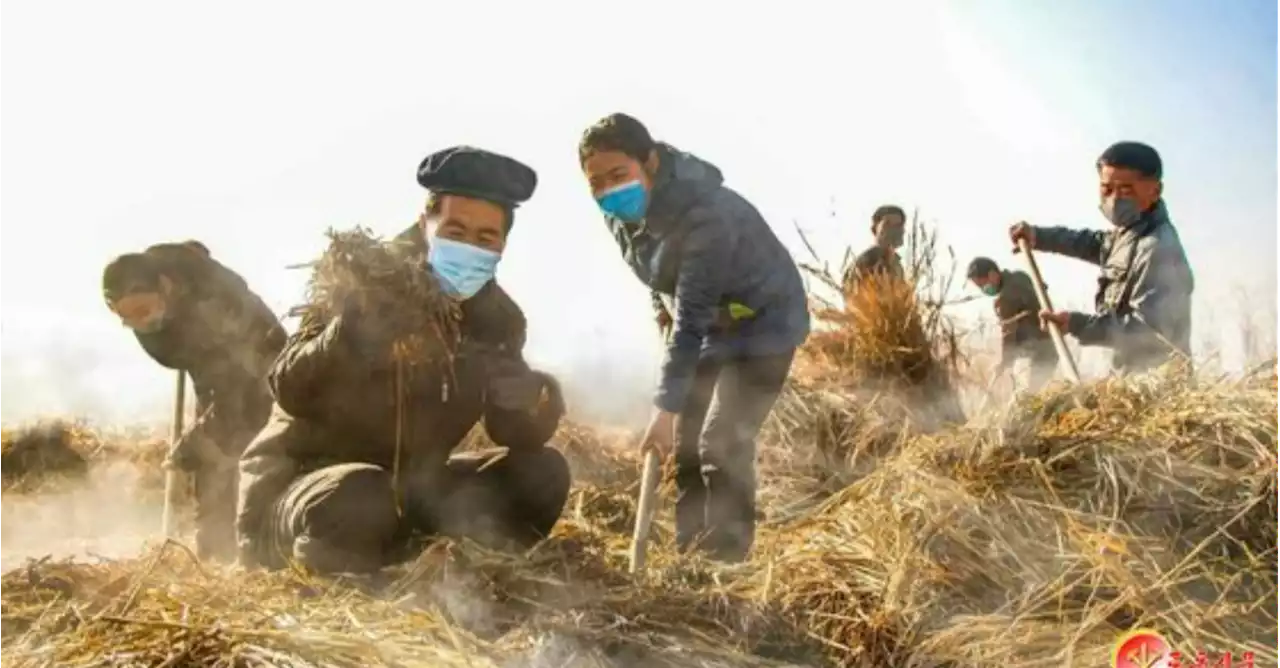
point(254, 126)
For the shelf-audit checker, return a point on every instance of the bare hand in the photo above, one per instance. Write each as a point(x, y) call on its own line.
point(660, 436)
point(1059, 318)
point(1022, 230)
point(664, 321)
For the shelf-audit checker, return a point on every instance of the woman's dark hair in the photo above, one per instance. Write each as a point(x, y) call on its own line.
point(616, 132)
point(128, 274)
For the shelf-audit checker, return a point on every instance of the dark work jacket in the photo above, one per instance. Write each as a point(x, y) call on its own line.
point(703, 246)
point(335, 403)
point(874, 260)
point(224, 336)
point(1143, 302)
point(1018, 309)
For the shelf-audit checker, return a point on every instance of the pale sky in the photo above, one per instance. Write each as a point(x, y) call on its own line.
point(255, 126)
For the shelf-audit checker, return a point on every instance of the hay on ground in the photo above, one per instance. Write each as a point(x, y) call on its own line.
point(31, 453)
point(1143, 502)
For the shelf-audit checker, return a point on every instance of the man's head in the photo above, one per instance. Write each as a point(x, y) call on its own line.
point(471, 202)
point(985, 275)
point(1129, 181)
point(619, 159)
point(888, 224)
point(137, 291)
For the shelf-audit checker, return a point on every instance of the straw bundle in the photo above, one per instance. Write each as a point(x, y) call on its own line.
point(389, 283)
point(887, 334)
point(48, 448)
point(879, 334)
point(1143, 502)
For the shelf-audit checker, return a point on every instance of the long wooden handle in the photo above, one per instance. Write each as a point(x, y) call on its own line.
point(171, 475)
point(644, 512)
point(1065, 361)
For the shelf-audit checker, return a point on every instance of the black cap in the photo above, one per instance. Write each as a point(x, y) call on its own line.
point(980, 267)
point(474, 172)
point(1133, 155)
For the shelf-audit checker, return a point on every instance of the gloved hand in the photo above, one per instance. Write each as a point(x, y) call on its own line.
point(195, 452)
point(513, 386)
point(185, 454)
point(183, 458)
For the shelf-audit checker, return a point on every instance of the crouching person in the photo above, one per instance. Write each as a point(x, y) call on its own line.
point(344, 472)
point(190, 312)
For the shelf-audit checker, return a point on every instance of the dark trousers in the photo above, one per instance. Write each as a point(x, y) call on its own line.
point(716, 452)
point(345, 518)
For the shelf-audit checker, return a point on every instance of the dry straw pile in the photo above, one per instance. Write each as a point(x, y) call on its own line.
point(1145, 502)
point(52, 447)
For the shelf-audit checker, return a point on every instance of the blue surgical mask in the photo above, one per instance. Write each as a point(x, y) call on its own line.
point(627, 202)
point(462, 268)
point(1121, 211)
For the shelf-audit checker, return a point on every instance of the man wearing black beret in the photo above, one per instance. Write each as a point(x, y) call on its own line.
point(319, 485)
point(1143, 302)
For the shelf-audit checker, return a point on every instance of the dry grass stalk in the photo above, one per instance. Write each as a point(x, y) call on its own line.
point(392, 285)
point(1148, 501)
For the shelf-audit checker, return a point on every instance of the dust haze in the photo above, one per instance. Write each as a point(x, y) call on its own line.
point(99, 516)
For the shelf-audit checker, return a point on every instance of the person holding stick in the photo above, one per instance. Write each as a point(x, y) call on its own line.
point(357, 464)
point(193, 314)
point(1143, 301)
point(737, 308)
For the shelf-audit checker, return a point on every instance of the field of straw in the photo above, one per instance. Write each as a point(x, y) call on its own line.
point(1028, 535)
point(1034, 541)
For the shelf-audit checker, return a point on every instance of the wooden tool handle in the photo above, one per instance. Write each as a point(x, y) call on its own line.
point(1065, 361)
point(644, 511)
point(171, 476)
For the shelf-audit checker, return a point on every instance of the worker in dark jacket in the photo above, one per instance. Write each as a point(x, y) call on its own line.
point(738, 310)
point(347, 468)
point(1143, 302)
point(1017, 310)
point(888, 225)
point(191, 313)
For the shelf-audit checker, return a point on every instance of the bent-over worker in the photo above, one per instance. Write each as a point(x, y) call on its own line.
point(1143, 302)
point(193, 314)
point(319, 485)
point(738, 312)
point(1018, 312)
